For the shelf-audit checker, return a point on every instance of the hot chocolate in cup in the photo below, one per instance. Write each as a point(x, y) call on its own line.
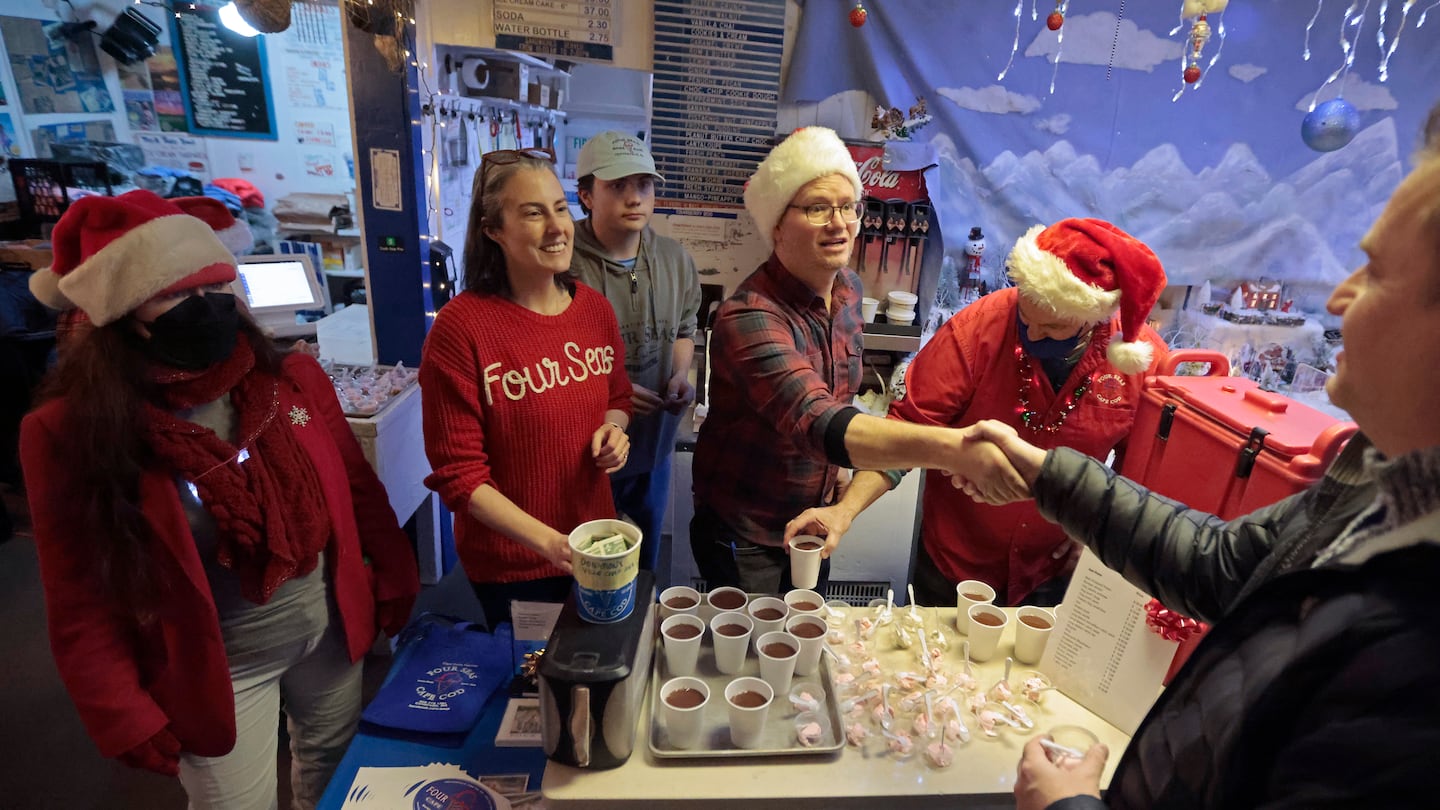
point(748, 701)
point(805, 560)
point(731, 633)
point(967, 593)
point(679, 599)
point(683, 703)
point(723, 600)
point(682, 634)
point(804, 603)
point(987, 624)
point(768, 613)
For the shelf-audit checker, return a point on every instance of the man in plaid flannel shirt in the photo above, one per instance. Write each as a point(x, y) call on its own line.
point(785, 364)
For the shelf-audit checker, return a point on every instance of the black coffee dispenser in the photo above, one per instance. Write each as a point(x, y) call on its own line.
point(592, 682)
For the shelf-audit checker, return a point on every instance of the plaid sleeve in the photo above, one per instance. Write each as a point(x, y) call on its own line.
point(777, 378)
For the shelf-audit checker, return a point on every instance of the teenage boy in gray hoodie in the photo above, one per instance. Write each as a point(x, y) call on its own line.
point(651, 282)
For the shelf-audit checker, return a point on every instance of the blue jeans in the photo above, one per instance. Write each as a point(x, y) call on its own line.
point(644, 498)
point(725, 559)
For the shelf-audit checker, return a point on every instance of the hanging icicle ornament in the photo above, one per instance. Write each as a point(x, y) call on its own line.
point(858, 14)
point(1199, 35)
point(1197, 12)
point(1057, 17)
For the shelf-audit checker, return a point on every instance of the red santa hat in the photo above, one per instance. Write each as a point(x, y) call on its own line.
point(1086, 270)
point(809, 153)
point(113, 254)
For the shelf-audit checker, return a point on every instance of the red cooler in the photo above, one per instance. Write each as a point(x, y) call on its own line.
point(1221, 444)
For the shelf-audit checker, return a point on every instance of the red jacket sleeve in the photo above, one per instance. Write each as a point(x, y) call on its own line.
point(453, 419)
point(90, 636)
point(940, 381)
point(392, 558)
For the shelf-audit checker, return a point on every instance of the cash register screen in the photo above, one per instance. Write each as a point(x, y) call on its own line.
point(273, 284)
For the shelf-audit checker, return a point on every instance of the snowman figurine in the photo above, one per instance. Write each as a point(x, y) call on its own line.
point(974, 251)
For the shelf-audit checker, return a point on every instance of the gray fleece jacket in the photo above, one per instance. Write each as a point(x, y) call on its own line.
point(655, 304)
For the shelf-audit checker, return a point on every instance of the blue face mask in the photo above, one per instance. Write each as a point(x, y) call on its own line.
point(1046, 348)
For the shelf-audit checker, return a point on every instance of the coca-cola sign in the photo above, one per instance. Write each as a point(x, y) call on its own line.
point(884, 183)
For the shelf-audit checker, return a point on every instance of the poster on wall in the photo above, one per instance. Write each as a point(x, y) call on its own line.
point(165, 84)
point(75, 132)
point(177, 151)
point(314, 59)
point(54, 74)
point(222, 76)
point(9, 141)
point(722, 239)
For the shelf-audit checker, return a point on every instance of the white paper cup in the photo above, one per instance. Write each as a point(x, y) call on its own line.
point(1032, 631)
point(747, 723)
point(965, 596)
point(868, 308)
point(679, 593)
point(682, 724)
point(796, 600)
point(681, 653)
point(902, 299)
point(729, 599)
point(605, 584)
point(805, 560)
point(765, 604)
point(777, 669)
point(730, 651)
point(984, 636)
point(808, 660)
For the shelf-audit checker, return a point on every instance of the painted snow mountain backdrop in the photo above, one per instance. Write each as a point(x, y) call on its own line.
point(1228, 222)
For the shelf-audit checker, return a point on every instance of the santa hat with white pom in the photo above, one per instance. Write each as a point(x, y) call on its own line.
point(1087, 270)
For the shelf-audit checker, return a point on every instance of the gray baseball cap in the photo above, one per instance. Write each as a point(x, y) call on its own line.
point(612, 155)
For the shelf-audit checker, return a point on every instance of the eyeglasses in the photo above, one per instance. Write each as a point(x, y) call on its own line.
point(822, 213)
point(502, 157)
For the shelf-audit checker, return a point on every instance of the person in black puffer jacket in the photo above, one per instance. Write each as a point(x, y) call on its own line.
point(1316, 685)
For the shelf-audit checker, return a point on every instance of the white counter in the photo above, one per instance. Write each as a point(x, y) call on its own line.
point(983, 774)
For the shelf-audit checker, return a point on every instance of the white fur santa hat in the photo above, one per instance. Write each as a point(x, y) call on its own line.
point(809, 153)
point(1086, 270)
point(113, 254)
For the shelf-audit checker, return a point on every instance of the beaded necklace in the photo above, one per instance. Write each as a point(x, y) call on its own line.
point(1030, 417)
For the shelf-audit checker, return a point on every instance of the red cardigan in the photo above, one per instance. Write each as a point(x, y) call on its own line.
point(511, 399)
point(128, 685)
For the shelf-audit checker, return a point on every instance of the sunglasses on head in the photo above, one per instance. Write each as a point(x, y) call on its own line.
point(502, 157)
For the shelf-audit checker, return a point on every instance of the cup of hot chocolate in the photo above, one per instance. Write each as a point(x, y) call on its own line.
point(803, 602)
point(683, 701)
point(679, 599)
point(682, 634)
point(967, 593)
point(805, 560)
point(987, 624)
point(723, 600)
point(809, 632)
point(730, 633)
point(769, 614)
point(1032, 632)
point(778, 651)
point(748, 701)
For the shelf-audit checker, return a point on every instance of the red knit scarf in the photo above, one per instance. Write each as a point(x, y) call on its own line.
point(269, 512)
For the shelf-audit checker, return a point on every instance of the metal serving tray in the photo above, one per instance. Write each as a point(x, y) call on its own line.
point(779, 737)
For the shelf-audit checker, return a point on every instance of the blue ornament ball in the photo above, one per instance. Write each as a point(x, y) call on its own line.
point(1331, 125)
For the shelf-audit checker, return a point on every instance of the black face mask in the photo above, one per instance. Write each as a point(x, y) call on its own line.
point(196, 334)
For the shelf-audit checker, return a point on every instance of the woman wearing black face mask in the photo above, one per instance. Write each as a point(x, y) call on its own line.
point(211, 539)
point(1062, 358)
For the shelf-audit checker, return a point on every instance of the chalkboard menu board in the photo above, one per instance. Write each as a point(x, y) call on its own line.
point(717, 86)
point(222, 77)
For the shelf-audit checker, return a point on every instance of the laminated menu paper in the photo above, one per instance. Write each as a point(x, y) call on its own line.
point(1101, 654)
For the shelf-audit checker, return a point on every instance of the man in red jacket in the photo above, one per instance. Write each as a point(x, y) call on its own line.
point(1061, 358)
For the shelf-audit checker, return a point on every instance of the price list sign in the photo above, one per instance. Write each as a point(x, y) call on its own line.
point(717, 86)
point(578, 29)
point(223, 77)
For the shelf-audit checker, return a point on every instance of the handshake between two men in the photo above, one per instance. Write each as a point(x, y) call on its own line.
point(992, 465)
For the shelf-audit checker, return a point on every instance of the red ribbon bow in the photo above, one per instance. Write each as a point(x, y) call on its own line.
point(1171, 625)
